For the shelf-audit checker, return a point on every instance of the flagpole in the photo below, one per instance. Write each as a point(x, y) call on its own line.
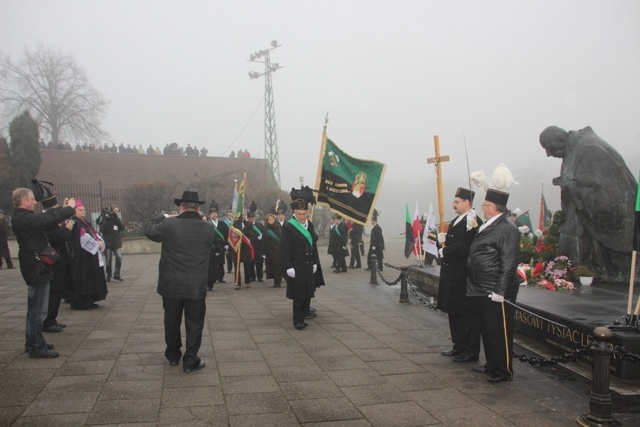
point(632, 279)
point(438, 163)
point(322, 150)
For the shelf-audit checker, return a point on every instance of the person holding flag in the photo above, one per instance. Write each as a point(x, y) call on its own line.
point(300, 258)
point(452, 299)
point(239, 238)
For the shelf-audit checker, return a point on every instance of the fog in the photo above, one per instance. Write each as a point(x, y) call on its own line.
point(391, 75)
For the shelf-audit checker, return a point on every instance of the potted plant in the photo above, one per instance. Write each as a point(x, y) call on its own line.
point(585, 274)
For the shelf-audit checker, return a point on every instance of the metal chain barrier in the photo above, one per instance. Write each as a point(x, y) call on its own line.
point(386, 282)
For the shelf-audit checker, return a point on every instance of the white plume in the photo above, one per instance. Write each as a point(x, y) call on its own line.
point(516, 211)
point(502, 178)
point(479, 180)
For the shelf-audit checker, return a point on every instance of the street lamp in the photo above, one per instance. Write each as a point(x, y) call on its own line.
point(270, 135)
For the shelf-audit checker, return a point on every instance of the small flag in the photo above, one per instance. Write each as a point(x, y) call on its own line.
point(545, 214)
point(409, 242)
point(430, 234)
point(417, 245)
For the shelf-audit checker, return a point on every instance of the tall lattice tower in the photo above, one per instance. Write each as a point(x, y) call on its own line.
point(270, 134)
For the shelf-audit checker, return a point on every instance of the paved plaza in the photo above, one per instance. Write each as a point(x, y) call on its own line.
point(365, 360)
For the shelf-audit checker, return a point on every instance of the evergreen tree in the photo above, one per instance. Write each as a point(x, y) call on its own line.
point(6, 176)
point(25, 150)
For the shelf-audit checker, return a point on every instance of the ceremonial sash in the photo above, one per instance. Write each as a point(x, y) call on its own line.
point(219, 233)
point(338, 231)
point(301, 229)
point(256, 229)
point(274, 235)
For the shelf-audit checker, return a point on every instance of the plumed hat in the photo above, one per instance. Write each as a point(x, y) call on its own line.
point(281, 207)
point(375, 214)
point(188, 197)
point(213, 206)
point(251, 213)
point(43, 193)
point(466, 194)
point(301, 198)
point(496, 196)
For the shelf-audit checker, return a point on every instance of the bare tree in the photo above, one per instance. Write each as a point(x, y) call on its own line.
point(56, 91)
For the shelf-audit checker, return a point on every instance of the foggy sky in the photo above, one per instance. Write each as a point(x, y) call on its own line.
point(391, 74)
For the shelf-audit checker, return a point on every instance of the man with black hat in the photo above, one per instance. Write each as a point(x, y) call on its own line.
point(257, 266)
point(182, 280)
point(492, 278)
point(300, 258)
point(30, 230)
point(376, 242)
point(452, 298)
point(228, 221)
point(355, 236)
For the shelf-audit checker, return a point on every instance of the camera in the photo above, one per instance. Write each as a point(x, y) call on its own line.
point(105, 213)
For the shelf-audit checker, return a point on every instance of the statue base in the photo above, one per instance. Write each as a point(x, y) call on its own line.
point(580, 310)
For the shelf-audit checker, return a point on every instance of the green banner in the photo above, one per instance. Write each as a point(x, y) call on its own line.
point(349, 186)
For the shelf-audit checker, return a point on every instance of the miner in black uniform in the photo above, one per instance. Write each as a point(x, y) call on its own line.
point(216, 258)
point(257, 268)
point(376, 242)
point(355, 235)
point(452, 292)
point(338, 242)
point(300, 256)
point(492, 279)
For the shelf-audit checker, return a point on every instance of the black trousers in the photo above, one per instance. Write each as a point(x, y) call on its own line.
point(300, 308)
point(193, 311)
point(258, 264)
point(8, 260)
point(495, 321)
point(355, 255)
point(55, 297)
point(465, 333)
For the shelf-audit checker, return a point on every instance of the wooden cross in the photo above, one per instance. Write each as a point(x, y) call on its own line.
point(437, 160)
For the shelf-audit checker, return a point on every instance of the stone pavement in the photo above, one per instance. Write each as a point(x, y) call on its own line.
point(365, 360)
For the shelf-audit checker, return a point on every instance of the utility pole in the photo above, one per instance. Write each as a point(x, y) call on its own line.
point(270, 135)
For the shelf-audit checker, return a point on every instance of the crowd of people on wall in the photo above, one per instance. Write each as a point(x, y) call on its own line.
point(172, 149)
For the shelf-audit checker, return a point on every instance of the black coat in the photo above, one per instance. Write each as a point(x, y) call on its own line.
point(493, 260)
point(29, 229)
point(452, 289)
point(376, 241)
point(60, 240)
point(299, 254)
point(111, 230)
point(338, 236)
point(272, 249)
point(184, 260)
point(4, 236)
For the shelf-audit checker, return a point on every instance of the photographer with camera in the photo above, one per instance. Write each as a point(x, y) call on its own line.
point(110, 228)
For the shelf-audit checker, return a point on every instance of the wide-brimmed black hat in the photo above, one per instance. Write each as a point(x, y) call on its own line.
point(496, 196)
point(188, 197)
point(466, 194)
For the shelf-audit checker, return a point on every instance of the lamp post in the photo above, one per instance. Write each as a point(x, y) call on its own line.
point(270, 135)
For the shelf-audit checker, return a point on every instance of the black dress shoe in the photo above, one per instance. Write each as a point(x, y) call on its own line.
point(108, 279)
point(497, 379)
point(190, 369)
point(120, 279)
point(44, 354)
point(463, 358)
point(480, 369)
point(336, 271)
point(260, 280)
point(52, 328)
point(174, 362)
point(300, 325)
point(450, 353)
point(62, 325)
point(221, 281)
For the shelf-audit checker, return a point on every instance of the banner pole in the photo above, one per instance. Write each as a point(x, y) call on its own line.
point(320, 157)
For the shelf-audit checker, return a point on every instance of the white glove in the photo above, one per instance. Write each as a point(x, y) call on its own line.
point(226, 247)
point(441, 252)
point(264, 257)
point(315, 267)
point(495, 297)
point(442, 237)
point(373, 248)
point(260, 237)
point(291, 273)
point(344, 247)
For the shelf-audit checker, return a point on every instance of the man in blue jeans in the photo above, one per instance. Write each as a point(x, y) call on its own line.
point(29, 229)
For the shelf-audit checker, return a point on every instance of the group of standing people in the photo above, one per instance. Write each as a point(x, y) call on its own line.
point(478, 281)
point(343, 237)
point(60, 256)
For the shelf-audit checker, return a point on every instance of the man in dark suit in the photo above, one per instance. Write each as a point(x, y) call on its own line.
point(300, 258)
point(182, 280)
point(216, 257)
point(338, 238)
point(492, 278)
point(355, 235)
point(257, 268)
point(452, 298)
point(376, 242)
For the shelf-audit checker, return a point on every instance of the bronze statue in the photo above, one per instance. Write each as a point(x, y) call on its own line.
point(598, 194)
